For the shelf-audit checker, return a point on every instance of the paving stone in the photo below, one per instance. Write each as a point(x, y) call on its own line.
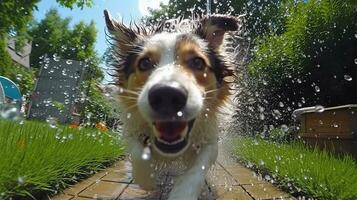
point(220, 178)
point(120, 166)
point(231, 193)
point(118, 176)
point(225, 182)
point(81, 198)
point(133, 191)
point(265, 191)
point(103, 190)
point(245, 176)
point(62, 197)
point(79, 187)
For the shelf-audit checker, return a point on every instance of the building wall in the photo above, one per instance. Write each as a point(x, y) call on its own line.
point(58, 82)
point(21, 57)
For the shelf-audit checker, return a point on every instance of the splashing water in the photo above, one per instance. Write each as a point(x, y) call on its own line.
point(52, 122)
point(69, 62)
point(21, 180)
point(347, 77)
point(146, 155)
point(56, 57)
point(317, 88)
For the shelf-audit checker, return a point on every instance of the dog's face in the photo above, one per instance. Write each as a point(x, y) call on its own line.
point(175, 78)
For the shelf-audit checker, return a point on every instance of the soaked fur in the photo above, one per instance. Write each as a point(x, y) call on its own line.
point(189, 58)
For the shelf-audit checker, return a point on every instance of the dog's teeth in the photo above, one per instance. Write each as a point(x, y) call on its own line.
point(170, 143)
point(178, 141)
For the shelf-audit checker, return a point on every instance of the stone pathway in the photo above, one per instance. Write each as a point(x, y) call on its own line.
point(226, 181)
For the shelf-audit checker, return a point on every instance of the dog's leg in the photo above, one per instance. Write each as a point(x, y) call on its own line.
point(188, 186)
point(143, 173)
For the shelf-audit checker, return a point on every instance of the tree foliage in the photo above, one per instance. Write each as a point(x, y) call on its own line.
point(54, 36)
point(15, 16)
point(262, 17)
point(311, 63)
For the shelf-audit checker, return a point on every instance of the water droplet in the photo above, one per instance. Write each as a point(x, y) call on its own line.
point(261, 162)
point(10, 112)
point(56, 57)
point(317, 89)
point(203, 167)
point(277, 114)
point(146, 155)
point(299, 80)
point(66, 101)
point(356, 61)
point(128, 115)
point(267, 177)
point(69, 62)
point(19, 77)
point(52, 122)
point(204, 75)
point(261, 116)
point(64, 72)
point(318, 65)
point(20, 180)
point(179, 113)
point(281, 104)
point(284, 128)
point(347, 77)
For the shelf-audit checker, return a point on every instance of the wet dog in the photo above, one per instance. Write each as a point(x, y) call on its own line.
point(172, 82)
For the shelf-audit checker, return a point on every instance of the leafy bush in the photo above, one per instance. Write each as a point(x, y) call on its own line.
point(312, 63)
point(23, 77)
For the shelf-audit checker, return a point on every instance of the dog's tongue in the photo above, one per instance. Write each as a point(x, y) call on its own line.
point(170, 131)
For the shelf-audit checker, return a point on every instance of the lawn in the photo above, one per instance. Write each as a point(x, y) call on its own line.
point(302, 171)
point(37, 159)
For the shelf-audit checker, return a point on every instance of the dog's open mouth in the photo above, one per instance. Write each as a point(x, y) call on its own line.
point(172, 136)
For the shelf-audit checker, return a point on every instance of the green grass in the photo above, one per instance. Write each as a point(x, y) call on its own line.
point(312, 172)
point(36, 159)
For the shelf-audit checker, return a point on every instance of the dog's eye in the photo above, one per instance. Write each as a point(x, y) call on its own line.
point(197, 63)
point(145, 64)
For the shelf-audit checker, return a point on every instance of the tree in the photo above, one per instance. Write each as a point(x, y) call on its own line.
point(311, 63)
point(53, 36)
point(262, 17)
point(15, 15)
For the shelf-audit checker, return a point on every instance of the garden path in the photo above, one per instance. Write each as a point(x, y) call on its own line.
point(227, 180)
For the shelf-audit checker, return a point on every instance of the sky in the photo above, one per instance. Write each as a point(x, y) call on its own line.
point(125, 10)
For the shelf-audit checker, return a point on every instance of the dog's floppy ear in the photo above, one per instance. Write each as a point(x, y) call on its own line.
point(122, 34)
point(212, 28)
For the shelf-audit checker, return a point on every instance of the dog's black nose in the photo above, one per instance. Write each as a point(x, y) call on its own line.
point(167, 99)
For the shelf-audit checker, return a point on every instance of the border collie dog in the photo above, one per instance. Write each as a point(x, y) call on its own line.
point(172, 84)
